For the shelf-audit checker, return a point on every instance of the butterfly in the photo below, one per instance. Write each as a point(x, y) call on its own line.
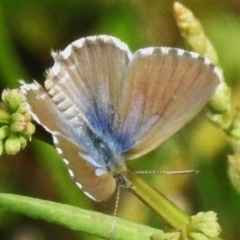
point(104, 105)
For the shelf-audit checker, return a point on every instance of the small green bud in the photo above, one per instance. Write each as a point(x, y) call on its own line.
point(30, 129)
point(17, 117)
point(193, 33)
point(18, 127)
point(15, 122)
point(4, 117)
point(22, 108)
point(203, 226)
point(12, 145)
point(4, 130)
point(13, 98)
point(19, 123)
point(23, 141)
point(209, 228)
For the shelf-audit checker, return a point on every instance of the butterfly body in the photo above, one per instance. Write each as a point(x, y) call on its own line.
point(105, 106)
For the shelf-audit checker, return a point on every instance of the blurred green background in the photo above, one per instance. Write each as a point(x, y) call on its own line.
point(29, 29)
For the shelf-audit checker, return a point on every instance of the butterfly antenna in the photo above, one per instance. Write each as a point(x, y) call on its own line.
point(168, 172)
point(115, 211)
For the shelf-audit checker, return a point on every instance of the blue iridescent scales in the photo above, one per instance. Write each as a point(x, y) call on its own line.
point(104, 105)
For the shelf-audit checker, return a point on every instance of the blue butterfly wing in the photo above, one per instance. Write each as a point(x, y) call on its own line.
point(164, 89)
point(46, 113)
point(86, 84)
point(78, 105)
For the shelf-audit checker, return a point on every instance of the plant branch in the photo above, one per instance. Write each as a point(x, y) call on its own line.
point(75, 218)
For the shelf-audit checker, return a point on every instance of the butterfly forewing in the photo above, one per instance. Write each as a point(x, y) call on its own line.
point(43, 109)
point(89, 73)
point(168, 86)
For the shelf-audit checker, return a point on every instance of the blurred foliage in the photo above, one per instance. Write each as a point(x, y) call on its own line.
point(28, 32)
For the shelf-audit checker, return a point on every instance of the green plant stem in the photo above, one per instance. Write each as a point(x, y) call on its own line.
point(75, 218)
point(155, 200)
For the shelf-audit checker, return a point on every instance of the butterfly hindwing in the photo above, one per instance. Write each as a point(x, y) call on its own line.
point(83, 173)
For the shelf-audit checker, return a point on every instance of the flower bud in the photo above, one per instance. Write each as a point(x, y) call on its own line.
point(12, 145)
point(30, 129)
point(19, 123)
point(4, 130)
point(13, 98)
point(203, 226)
point(23, 141)
point(22, 108)
point(4, 117)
